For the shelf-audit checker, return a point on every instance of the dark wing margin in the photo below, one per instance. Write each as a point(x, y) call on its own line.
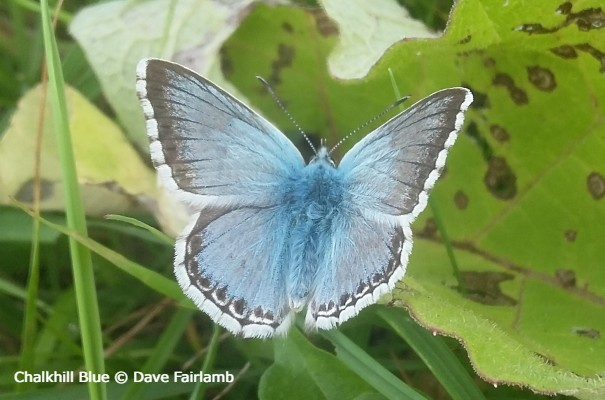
point(392, 170)
point(206, 145)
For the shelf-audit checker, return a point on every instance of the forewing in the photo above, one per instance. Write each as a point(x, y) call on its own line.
point(392, 170)
point(387, 177)
point(206, 145)
point(229, 262)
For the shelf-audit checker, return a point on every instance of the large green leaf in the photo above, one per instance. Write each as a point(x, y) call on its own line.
point(523, 194)
point(302, 371)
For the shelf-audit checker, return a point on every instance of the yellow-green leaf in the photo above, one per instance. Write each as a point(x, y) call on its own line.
point(110, 170)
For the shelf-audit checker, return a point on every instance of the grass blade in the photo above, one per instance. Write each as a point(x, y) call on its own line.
point(369, 369)
point(154, 280)
point(162, 352)
point(436, 355)
point(84, 284)
point(161, 236)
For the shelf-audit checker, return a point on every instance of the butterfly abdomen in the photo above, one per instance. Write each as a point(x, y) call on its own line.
point(313, 201)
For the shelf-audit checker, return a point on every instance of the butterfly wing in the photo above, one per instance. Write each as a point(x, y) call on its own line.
point(388, 176)
point(229, 261)
point(228, 162)
point(206, 145)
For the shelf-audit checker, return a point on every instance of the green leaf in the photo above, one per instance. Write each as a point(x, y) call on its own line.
point(110, 171)
point(302, 371)
point(356, 53)
point(523, 195)
point(436, 355)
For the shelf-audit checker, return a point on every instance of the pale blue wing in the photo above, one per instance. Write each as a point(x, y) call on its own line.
point(392, 169)
point(232, 165)
point(207, 146)
point(387, 177)
point(229, 261)
point(365, 260)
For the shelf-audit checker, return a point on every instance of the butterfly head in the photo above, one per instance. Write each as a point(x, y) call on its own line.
point(323, 156)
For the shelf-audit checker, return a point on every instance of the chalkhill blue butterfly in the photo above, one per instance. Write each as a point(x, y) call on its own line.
point(272, 235)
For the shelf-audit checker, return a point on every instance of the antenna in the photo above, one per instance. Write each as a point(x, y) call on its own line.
point(283, 108)
point(370, 121)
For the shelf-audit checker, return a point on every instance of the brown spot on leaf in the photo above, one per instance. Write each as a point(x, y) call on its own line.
point(589, 333)
point(430, 228)
point(325, 26)
point(570, 235)
point(287, 27)
point(461, 200)
point(569, 52)
point(465, 39)
point(25, 193)
point(517, 94)
point(500, 179)
point(473, 132)
point(226, 62)
point(499, 133)
point(565, 51)
point(489, 62)
point(594, 52)
point(565, 8)
point(469, 53)
point(480, 99)
point(566, 277)
point(596, 185)
point(285, 56)
point(484, 287)
point(534, 28)
point(585, 20)
point(542, 78)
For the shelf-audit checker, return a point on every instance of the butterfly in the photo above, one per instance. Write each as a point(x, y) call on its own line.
point(272, 235)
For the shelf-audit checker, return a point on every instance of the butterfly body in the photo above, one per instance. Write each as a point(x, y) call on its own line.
point(313, 202)
point(272, 236)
